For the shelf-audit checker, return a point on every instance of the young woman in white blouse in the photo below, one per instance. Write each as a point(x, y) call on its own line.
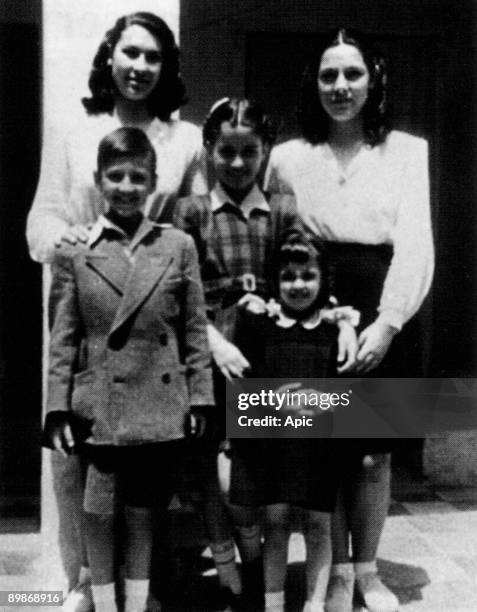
point(365, 190)
point(135, 82)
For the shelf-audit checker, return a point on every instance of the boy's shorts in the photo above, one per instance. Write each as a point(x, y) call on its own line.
point(145, 475)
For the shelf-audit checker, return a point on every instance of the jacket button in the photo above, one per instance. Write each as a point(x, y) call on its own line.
point(166, 378)
point(163, 339)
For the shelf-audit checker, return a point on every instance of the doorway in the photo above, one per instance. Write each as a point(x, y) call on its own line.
point(20, 278)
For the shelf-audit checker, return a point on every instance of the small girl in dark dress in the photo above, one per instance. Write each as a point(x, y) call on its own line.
point(298, 337)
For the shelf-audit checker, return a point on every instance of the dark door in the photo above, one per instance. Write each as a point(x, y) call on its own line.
point(20, 279)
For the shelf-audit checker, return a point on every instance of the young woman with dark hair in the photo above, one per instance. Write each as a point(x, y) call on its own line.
point(134, 82)
point(313, 119)
point(168, 93)
point(364, 189)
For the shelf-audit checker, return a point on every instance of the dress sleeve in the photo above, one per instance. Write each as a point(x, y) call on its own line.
point(65, 333)
point(410, 273)
point(49, 216)
point(275, 180)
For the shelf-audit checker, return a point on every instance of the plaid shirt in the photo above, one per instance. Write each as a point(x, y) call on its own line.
point(234, 240)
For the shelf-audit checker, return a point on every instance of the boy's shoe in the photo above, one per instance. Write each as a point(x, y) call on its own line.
point(79, 599)
point(339, 594)
point(374, 594)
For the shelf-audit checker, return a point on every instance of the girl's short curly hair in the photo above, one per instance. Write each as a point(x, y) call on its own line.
point(169, 93)
point(303, 247)
point(312, 117)
point(237, 111)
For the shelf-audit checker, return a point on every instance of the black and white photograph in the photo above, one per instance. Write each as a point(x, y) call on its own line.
point(234, 234)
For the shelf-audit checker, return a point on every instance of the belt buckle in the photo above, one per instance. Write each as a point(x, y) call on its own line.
point(249, 282)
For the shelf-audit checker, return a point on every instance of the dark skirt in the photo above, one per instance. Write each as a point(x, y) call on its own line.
point(358, 272)
point(301, 473)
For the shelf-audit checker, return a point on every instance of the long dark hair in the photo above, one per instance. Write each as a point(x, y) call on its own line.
point(312, 117)
point(169, 93)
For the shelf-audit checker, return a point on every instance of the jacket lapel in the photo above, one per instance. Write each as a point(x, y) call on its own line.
point(112, 268)
point(145, 274)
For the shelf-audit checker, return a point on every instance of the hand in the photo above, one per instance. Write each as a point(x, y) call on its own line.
point(200, 422)
point(347, 347)
point(301, 405)
point(253, 303)
point(227, 356)
point(73, 234)
point(374, 342)
point(57, 433)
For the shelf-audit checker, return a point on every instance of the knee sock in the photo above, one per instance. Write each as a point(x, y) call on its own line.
point(365, 567)
point(104, 597)
point(275, 602)
point(342, 569)
point(249, 543)
point(224, 557)
point(136, 592)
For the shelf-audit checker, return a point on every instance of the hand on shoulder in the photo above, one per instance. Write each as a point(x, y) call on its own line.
point(73, 234)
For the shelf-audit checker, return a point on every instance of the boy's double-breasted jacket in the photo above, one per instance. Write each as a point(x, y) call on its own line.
point(128, 347)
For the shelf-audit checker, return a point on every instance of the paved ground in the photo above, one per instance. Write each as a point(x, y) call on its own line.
point(428, 554)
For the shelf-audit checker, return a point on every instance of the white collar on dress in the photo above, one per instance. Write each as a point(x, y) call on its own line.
point(254, 200)
point(282, 320)
point(331, 314)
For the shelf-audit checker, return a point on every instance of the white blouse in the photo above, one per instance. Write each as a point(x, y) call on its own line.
point(381, 197)
point(66, 194)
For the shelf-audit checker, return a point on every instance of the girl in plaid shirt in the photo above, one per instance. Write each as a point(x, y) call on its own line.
point(236, 229)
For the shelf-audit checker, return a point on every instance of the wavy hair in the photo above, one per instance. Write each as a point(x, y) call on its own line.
point(312, 118)
point(237, 111)
point(298, 246)
point(169, 93)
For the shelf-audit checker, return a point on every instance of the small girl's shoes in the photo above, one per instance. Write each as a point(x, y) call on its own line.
point(375, 595)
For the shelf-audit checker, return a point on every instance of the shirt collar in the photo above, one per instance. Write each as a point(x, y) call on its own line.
point(254, 200)
point(282, 320)
point(104, 224)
